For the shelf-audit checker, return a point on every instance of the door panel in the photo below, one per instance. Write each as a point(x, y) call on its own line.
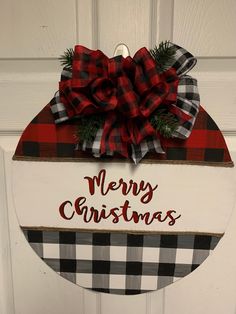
point(34, 35)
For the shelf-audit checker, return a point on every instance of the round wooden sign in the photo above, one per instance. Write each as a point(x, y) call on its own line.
point(116, 227)
point(93, 215)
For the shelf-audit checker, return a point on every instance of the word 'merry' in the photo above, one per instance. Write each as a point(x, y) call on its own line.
point(126, 188)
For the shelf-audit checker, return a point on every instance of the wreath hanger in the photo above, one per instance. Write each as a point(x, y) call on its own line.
point(121, 49)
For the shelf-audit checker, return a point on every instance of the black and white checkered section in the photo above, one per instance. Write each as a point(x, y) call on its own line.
point(121, 263)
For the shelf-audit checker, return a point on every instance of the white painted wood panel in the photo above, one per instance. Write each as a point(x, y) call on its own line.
point(218, 182)
point(36, 29)
point(86, 32)
point(91, 302)
point(23, 96)
point(123, 21)
point(206, 27)
point(116, 304)
point(155, 302)
point(218, 97)
point(164, 16)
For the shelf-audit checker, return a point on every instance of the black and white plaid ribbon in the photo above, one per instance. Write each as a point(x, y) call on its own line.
point(188, 101)
point(57, 107)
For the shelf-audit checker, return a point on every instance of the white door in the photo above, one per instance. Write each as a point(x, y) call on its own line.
point(33, 34)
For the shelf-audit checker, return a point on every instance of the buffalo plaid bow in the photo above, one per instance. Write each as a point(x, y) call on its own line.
point(127, 91)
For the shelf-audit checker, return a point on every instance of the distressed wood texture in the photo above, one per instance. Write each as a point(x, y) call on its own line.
point(36, 29)
point(206, 27)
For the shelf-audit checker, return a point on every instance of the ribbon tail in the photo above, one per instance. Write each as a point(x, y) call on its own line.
point(93, 146)
point(111, 140)
point(96, 147)
point(188, 101)
point(141, 130)
point(58, 109)
point(139, 151)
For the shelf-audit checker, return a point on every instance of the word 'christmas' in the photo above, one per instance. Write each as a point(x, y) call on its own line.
point(99, 184)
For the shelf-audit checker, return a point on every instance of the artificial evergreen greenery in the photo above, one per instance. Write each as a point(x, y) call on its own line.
point(67, 58)
point(163, 55)
point(164, 122)
point(88, 126)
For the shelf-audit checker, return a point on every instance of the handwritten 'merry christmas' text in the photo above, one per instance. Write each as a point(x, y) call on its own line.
point(97, 184)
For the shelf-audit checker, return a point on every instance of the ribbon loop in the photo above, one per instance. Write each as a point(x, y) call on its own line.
point(104, 94)
point(146, 76)
point(184, 61)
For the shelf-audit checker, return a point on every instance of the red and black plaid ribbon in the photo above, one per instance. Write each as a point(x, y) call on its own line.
point(127, 90)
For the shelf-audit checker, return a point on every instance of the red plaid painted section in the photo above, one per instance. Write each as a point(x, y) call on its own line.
point(42, 139)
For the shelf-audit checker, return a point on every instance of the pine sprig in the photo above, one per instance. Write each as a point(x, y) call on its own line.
point(66, 58)
point(88, 126)
point(164, 122)
point(163, 55)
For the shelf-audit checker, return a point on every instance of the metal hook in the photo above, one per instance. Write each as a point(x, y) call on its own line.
point(121, 49)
